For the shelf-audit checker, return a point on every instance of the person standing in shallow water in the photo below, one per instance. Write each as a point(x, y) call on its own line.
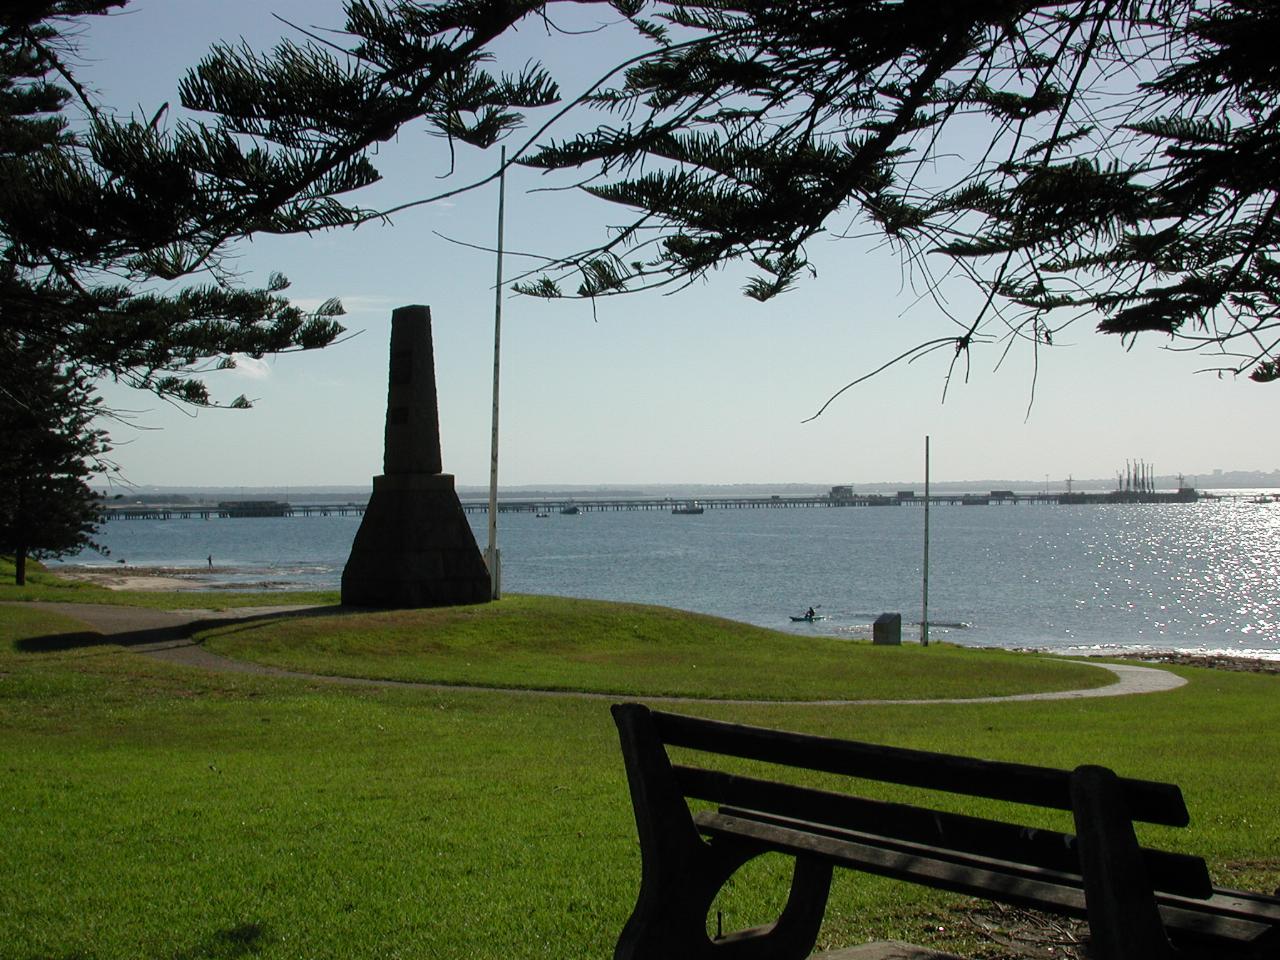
point(211, 561)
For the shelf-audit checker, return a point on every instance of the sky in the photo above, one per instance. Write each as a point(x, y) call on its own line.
point(701, 386)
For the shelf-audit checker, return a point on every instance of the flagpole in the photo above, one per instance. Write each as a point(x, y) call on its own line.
point(492, 556)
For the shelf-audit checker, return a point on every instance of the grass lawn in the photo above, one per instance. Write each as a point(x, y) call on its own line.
point(152, 810)
point(552, 643)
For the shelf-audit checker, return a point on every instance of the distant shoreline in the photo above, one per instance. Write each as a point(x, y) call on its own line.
point(302, 494)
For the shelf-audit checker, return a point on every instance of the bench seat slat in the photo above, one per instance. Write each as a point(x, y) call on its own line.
point(1049, 849)
point(1194, 924)
point(1220, 920)
point(1230, 902)
point(949, 854)
point(1148, 801)
point(975, 877)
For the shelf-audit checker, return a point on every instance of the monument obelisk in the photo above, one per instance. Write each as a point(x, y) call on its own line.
point(414, 547)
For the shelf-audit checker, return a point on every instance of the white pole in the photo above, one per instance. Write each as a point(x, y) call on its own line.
point(924, 605)
point(492, 556)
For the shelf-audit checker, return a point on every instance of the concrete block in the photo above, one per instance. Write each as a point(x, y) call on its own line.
point(887, 630)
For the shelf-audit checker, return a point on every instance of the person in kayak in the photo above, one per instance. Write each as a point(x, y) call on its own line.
point(809, 614)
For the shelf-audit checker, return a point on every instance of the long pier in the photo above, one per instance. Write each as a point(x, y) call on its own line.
point(549, 506)
point(667, 504)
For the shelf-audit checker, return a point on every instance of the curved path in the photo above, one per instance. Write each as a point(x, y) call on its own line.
point(166, 635)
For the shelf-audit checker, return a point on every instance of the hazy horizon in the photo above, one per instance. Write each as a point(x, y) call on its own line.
point(1211, 480)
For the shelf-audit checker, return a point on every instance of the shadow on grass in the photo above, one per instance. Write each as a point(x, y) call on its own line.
point(226, 625)
point(59, 642)
point(242, 940)
point(159, 636)
point(207, 623)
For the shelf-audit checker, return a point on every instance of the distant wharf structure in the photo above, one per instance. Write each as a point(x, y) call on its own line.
point(232, 508)
point(840, 496)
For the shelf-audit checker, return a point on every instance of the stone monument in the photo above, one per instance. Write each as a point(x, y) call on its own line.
point(414, 547)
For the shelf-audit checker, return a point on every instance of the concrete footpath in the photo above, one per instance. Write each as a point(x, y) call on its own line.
point(166, 635)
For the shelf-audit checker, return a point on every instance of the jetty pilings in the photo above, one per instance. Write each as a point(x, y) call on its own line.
point(557, 505)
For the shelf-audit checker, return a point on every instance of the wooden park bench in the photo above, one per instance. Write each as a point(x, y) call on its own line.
point(1141, 903)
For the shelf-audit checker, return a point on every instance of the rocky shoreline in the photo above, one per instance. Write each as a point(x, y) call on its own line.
point(1216, 661)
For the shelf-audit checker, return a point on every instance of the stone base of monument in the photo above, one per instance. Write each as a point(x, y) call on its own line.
point(414, 548)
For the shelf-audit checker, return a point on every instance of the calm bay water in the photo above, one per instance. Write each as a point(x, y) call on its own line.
point(1203, 576)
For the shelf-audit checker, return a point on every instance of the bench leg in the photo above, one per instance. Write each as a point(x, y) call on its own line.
point(681, 873)
point(793, 934)
point(670, 917)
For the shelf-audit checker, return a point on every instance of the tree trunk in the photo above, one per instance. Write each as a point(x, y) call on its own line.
point(22, 542)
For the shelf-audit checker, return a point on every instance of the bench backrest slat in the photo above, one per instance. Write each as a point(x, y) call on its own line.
point(1047, 849)
point(1147, 801)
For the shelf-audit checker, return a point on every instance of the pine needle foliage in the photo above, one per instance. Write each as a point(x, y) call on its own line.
point(1109, 158)
point(1118, 159)
point(96, 208)
point(115, 231)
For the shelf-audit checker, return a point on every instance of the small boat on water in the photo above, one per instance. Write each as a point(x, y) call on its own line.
point(570, 510)
point(693, 506)
point(542, 516)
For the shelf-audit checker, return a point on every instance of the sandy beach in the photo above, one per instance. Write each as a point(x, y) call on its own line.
point(126, 577)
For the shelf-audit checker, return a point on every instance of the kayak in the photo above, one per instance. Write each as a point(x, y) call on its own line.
point(806, 619)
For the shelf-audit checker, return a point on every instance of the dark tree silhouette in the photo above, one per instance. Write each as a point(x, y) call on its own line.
point(92, 213)
point(50, 450)
point(114, 231)
point(85, 231)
